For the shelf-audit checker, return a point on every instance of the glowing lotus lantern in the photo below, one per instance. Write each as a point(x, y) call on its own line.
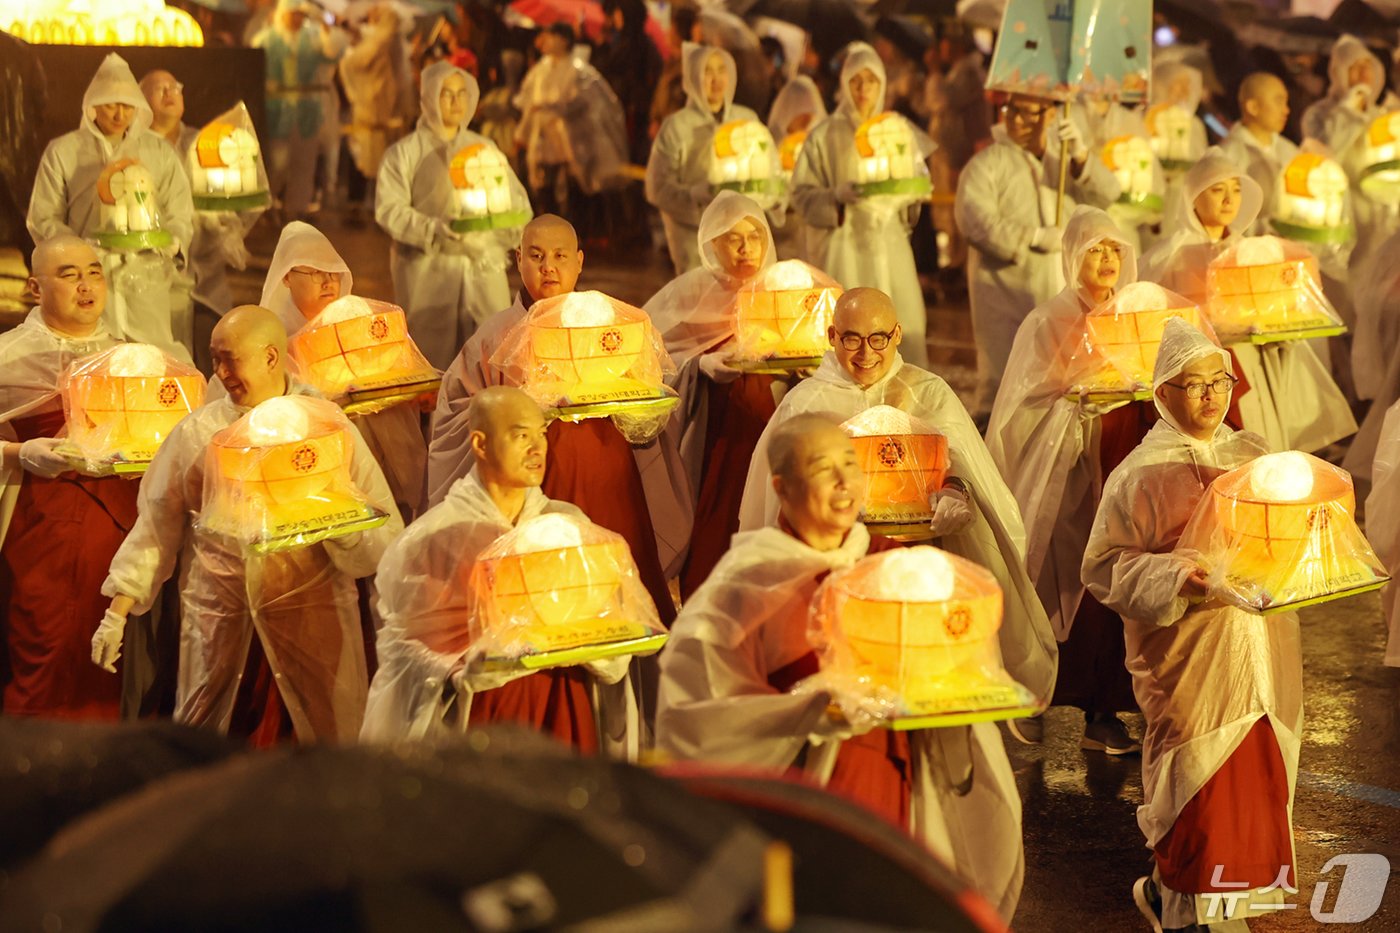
point(781, 318)
point(790, 148)
point(742, 159)
point(1266, 289)
point(121, 404)
point(1377, 153)
point(1280, 532)
point(1131, 161)
point(226, 169)
point(1124, 334)
point(560, 590)
point(358, 352)
point(1170, 126)
point(481, 190)
point(127, 216)
point(887, 158)
point(279, 477)
point(905, 461)
point(918, 627)
point(1311, 201)
point(111, 22)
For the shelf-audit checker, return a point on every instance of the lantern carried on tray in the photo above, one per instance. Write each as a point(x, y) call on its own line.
point(887, 159)
point(789, 150)
point(279, 477)
point(781, 319)
point(559, 590)
point(358, 352)
point(1131, 161)
point(1280, 532)
point(226, 166)
point(1376, 156)
point(122, 403)
point(905, 461)
point(1264, 289)
point(743, 158)
point(1170, 126)
point(910, 637)
point(483, 195)
point(127, 215)
point(1122, 337)
point(1311, 201)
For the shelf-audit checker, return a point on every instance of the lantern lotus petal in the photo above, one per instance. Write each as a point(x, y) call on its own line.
point(128, 217)
point(744, 158)
point(1375, 159)
point(1312, 201)
point(226, 166)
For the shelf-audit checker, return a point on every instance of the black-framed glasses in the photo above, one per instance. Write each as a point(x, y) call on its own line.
point(319, 275)
point(1199, 390)
point(1025, 114)
point(877, 340)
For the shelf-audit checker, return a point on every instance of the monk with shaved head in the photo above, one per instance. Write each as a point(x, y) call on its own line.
point(1256, 143)
point(237, 607)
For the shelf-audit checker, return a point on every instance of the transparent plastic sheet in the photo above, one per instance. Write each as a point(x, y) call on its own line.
point(128, 217)
point(1280, 532)
point(905, 461)
point(911, 634)
point(1265, 289)
point(890, 165)
point(33, 358)
point(486, 195)
point(300, 244)
point(1135, 166)
point(799, 97)
point(744, 159)
point(280, 477)
point(226, 164)
point(1115, 356)
point(556, 590)
point(781, 318)
point(358, 353)
point(586, 355)
point(1312, 202)
point(122, 403)
point(1375, 162)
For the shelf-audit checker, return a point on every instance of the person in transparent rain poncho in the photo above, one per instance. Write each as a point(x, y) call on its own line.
point(270, 646)
point(427, 685)
point(1177, 84)
point(1288, 396)
point(447, 282)
point(305, 275)
point(1375, 354)
point(1054, 451)
point(722, 410)
point(116, 126)
point(378, 83)
point(862, 241)
point(740, 645)
point(1220, 689)
point(1006, 207)
point(1256, 143)
point(678, 169)
point(1356, 79)
point(1383, 522)
point(796, 109)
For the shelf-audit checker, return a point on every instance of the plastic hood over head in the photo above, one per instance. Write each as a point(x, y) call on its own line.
point(726, 210)
point(1088, 226)
point(693, 58)
point(1215, 166)
point(800, 95)
point(115, 84)
point(1182, 344)
point(433, 77)
point(299, 245)
point(1347, 52)
point(859, 56)
point(1164, 73)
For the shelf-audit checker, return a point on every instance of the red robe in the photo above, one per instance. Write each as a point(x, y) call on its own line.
point(555, 702)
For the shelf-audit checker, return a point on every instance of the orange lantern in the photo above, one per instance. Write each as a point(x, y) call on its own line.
point(742, 158)
point(887, 158)
point(127, 216)
point(1170, 126)
point(481, 190)
point(1378, 159)
point(1124, 334)
point(905, 461)
point(913, 633)
point(279, 477)
point(226, 169)
point(1311, 201)
point(358, 352)
point(1280, 532)
point(1265, 289)
point(781, 318)
point(1131, 161)
point(790, 149)
point(122, 403)
point(559, 590)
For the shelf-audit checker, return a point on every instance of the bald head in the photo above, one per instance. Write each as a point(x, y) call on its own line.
point(1263, 100)
point(817, 478)
point(166, 96)
point(864, 318)
point(550, 260)
point(249, 349)
point(507, 439)
point(69, 284)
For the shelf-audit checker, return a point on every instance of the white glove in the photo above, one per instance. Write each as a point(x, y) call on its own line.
point(235, 252)
point(848, 193)
point(714, 366)
point(609, 670)
point(701, 194)
point(1359, 97)
point(40, 456)
point(107, 640)
point(443, 233)
point(1070, 134)
point(1047, 239)
point(344, 543)
point(952, 512)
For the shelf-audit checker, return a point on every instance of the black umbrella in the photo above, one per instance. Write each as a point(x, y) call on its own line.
point(1360, 18)
point(469, 837)
point(909, 35)
point(832, 23)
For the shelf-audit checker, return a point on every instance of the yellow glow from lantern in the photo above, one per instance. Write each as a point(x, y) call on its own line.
point(1143, 296)
point(789, 275)
point(915, 575)
point(547, 533)
point(1259, 251)
point(137, 359)
point(885, 419)
point(345, 308)
point(587, 309)
point(111, 22)
point(278, 420)
point(1282, 477)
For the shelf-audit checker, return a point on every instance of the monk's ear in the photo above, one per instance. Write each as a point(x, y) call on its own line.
point(778, 485)
point(580, 260)
point(274, 356)
point(33, 286)
point(477, 442)
point(830, 337)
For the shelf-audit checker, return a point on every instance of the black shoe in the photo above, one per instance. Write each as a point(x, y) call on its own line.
point(1109, 735)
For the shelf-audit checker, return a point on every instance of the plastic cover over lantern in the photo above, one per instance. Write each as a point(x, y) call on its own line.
point(887, 158)
point(559, 590)
point(789, 149)
point(121, 404)
point(1264, 289)
point(781, 318)
point(905, 461)
point(1311, 201)
point(743, 158)
point(908, 638)
point(483, 195)
point(586, 355)
point(127, 215)
point(1377, 159)
point(358, 352)
point(1280, 532)
point(226, 164)
point(280, 477)
point(1115, 358)
point(1170, 126)
point(1132, 162)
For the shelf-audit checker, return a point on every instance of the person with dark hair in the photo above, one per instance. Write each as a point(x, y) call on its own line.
point(628, 59)
point(670, 86)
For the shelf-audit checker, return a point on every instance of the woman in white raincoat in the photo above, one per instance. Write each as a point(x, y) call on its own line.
point(797, 108)
point(447, 282)
point(862, 241)
point(1356, 79)
point(1375, 353)
point(677, 180)
point(1288, 396)
point(115, 126)
point(1221, 689)
point(1383, 522)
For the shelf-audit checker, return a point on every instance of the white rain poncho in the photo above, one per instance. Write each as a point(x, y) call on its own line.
point(799, 97)
point(301, 604)
point(424, 602)
point(1262, 163)
point(1004, 196)
point(1332, 120)
point(65, 200)
point(218, 241)
point(1376, 353)
point(746, 623)
point(1164, 76)
point(679, 165)
point(865, 244)
point(1203, 673)
point(448, 285)
point(996, 539)
point(1103, 133)
point(1047, 444)
point(570, 115)
point(299, 244)
point(1383, 523)
point(379, 86)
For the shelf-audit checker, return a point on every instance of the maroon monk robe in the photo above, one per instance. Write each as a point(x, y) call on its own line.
point(56, 553)
point(555, 702)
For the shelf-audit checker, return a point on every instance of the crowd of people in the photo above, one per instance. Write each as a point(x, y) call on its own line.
point(122, 599)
